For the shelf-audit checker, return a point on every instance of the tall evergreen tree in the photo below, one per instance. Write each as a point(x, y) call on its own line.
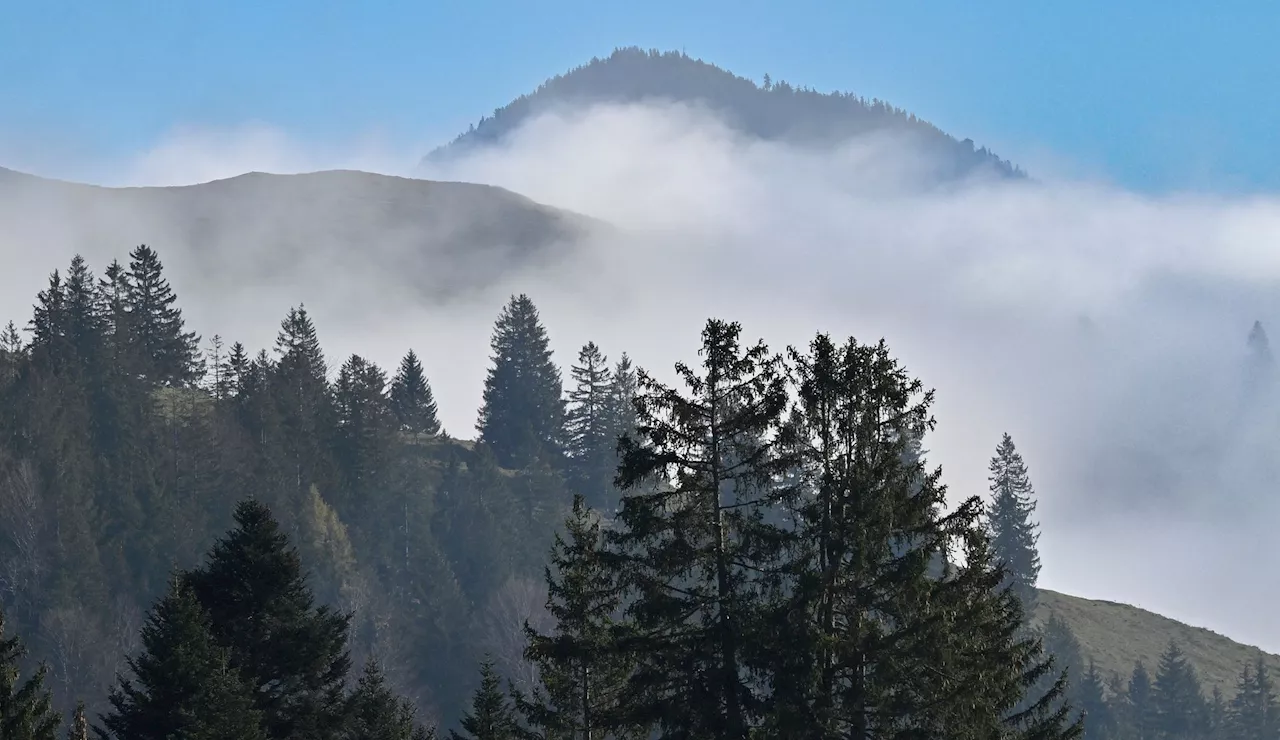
point(182, 685)
point(374, 712)
point(871, 639)
point(1013, 532)
point(581, 673)
point(263, 612)
point(1260, 363)
point(300, 392)
point(690, 554)
point(364, 426)
point(164, 351)
point(1140, 713)
point(1180, 709)
point(79, 729)
point(48, 325)
point(26, 708)
point(1253, 713)
point(1099, 719)
point(491, 716)
point(523, 413)
point(590, 441)
point(412, 401)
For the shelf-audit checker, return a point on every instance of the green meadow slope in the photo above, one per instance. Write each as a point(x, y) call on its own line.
point(1115, 635)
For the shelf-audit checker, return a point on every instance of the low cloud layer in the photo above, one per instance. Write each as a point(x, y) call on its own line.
point(1104, 330)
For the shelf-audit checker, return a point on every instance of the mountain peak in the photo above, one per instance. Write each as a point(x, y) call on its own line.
point(772, 111)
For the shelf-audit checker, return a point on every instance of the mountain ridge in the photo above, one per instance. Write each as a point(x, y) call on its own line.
point(772, 111)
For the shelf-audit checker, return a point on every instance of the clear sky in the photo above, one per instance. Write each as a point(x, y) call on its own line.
point(1157, 94)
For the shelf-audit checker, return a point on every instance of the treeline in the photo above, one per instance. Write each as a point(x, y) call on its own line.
point(124, 448)
point(760, 552)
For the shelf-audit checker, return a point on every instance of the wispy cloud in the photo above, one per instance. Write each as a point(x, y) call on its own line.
point(1103, 329)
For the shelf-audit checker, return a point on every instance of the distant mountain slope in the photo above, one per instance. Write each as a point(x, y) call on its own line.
point(443, 236)
point(776, 111)
point(1115, 635)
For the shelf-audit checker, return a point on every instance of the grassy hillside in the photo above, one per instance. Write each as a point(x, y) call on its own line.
point(1115, 635)
point(425, 237)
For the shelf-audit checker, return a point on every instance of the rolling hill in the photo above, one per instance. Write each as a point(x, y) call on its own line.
point(260, 228)
point(1116, 635)
point(772, 111)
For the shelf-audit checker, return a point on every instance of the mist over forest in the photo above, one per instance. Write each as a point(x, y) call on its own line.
point(1118, 337)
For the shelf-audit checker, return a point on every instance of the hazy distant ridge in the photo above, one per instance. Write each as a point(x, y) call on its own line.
point(778, 111)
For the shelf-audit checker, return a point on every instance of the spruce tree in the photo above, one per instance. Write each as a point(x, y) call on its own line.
point(1140, 712)
point(79, 729)
point(622, 392)
point(1099, 720)
point(590, 442)
point(1253, 713)
point(26, 707)
point(692, 554)
point(163, 350)
point(1179, 704)
point(1260, 363)
point(48, 325)
point(877, 634)
point(375, 712)
point(364, 428)
point(262, 610)
point(523, 413)
point(182, 685)
point(412, 401)
point(1013, 532)
point(302, 403)
point(581, 673)
point(491, 716)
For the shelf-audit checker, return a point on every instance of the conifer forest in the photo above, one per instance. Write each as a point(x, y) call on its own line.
point(203, 540)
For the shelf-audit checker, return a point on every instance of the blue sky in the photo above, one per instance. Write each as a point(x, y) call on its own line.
point(1156, 95)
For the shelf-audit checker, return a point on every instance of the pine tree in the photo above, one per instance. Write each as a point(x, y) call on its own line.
point(1260, 365)
point(1219, 725)
point(262, 610)
point(878, 636)
point(1253, 713)
point(26, 708)
point(163, 350)
point(85, 328)
point(523, 413)
point(992, 677)
point(1061, 643)
point(181, 685)
point(412, 401)
point(1140, 711)
point(1099, 721)
point(374, 712)
point(1180, 709)
point(48, 325)
point(491, 717)
point(1013, 532)
point(622, 393)
point(364, 429)
point(301, 397)
point(590, 440)
point(79, 729)
point(690, 554)
point(581, 673)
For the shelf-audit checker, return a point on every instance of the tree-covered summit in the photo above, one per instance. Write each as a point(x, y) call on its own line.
point(770, 110)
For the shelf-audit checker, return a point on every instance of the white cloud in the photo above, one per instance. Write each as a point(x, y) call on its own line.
point(1103, 329)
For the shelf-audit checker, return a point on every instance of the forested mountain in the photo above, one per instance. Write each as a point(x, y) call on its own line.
point(257, 229)
point(376, 571)
point(774, 110)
